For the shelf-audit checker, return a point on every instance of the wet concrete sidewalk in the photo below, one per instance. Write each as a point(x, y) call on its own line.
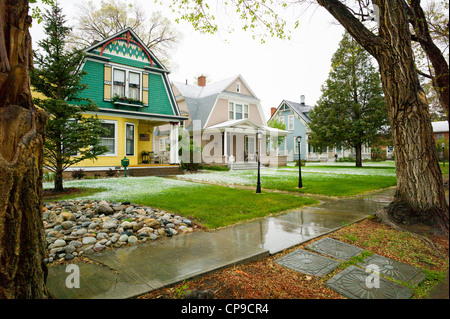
point(132, 271)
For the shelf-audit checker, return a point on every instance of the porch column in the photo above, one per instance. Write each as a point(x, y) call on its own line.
point(225, 146)
point(174, 158)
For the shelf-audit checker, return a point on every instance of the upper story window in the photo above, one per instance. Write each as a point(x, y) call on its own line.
point(281, 119)
point(291, 122)
point(238, 87)
point(119, 82)
point(127, 83)
point(237, 111)
point(134, 89)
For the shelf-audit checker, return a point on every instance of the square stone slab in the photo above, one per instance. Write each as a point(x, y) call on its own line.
point(395, 269)
point(335, 248)
point(308, 263)
point(351, 283)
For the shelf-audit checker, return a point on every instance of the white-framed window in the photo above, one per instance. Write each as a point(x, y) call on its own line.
point(238, 87)
point(127, 83)
point(238, 111)
point(291, 123)
point(230, 110)
point(119, 82)
point(110, 138)
point(281, 119)
point(164, 144)
point(130, 138)
point(440, 136)
point(134, 86)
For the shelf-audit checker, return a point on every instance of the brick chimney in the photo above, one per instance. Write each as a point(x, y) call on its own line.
point(272, 111)
point(201, 80)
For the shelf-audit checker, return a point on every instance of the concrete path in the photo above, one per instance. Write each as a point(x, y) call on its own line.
point(132, 271)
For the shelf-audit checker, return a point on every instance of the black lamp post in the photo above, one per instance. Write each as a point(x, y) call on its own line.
point(443, 152)
point(258, 184)
point(299, 142)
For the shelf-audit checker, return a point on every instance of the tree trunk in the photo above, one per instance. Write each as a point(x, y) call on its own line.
point(22, 127)
point(59, 180)
point(420, 193)
point(358, 148)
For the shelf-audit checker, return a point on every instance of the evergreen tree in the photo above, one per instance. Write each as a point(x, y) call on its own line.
point(352, 108)
point(70, 136)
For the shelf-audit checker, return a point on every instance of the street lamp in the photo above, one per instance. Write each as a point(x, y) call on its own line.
point(299, 142)
point(443, 152)
point(258, 184)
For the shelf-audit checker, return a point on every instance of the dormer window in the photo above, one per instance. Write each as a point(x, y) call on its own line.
point(119, 83)
point(238, 87)
point(134, 89)
point(127, 83)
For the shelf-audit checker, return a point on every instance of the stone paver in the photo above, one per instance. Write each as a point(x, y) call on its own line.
point(334, 248)
point(395, 270)
point(308, 263)
point(351, 283)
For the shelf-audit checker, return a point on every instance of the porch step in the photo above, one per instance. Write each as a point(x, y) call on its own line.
point(244, 166)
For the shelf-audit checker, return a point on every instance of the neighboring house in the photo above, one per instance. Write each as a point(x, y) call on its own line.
point(225, 118)
point(295, 117)
point(440, 130)
point(131, 87)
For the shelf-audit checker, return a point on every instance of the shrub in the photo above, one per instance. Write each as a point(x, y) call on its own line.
point(111, 172)
point(190, 167)
point(303, 163)
point(48, 177)
point(216, 168)
point(78, 174)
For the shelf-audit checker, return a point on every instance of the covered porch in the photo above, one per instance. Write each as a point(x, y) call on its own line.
point(236, 144)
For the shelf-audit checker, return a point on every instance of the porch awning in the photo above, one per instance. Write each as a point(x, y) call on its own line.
point(245, 125)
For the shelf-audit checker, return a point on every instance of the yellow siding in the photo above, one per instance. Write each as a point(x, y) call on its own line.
point(141, 127)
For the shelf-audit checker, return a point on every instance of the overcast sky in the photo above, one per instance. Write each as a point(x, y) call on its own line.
point(275, 70)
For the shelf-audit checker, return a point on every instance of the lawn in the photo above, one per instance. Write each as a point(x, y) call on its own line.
point(212, 206)
point(333, 179)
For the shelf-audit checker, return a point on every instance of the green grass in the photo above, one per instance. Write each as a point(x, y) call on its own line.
point(216, 206)
point(212, 206)
point(329, 180)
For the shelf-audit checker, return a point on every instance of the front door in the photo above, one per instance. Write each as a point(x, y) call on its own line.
point(250, 149)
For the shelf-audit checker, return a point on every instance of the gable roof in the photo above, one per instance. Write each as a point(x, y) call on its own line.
point(201, 100)
point(299, 108)
point(131, 37)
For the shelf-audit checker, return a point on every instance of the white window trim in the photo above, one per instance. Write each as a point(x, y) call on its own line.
point(127, 79)
point(296, 145)
point(290, 118)
point(134, 138)
point(116, 139)
point(238, 87)
point(234, 110)
point(281, 120)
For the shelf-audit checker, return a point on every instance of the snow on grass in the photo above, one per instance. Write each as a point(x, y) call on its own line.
point(248, 177)
point(123, 188)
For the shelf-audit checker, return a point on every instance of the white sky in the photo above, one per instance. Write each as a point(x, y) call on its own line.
point(275, 70)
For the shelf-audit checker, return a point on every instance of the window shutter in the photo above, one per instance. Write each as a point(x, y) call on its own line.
point(107, 83)
point(145, 97)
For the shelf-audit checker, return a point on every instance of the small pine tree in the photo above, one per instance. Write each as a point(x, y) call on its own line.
point(351, 110)
point(70, 136)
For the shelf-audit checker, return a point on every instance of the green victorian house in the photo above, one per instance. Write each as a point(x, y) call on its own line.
point(132, 89)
